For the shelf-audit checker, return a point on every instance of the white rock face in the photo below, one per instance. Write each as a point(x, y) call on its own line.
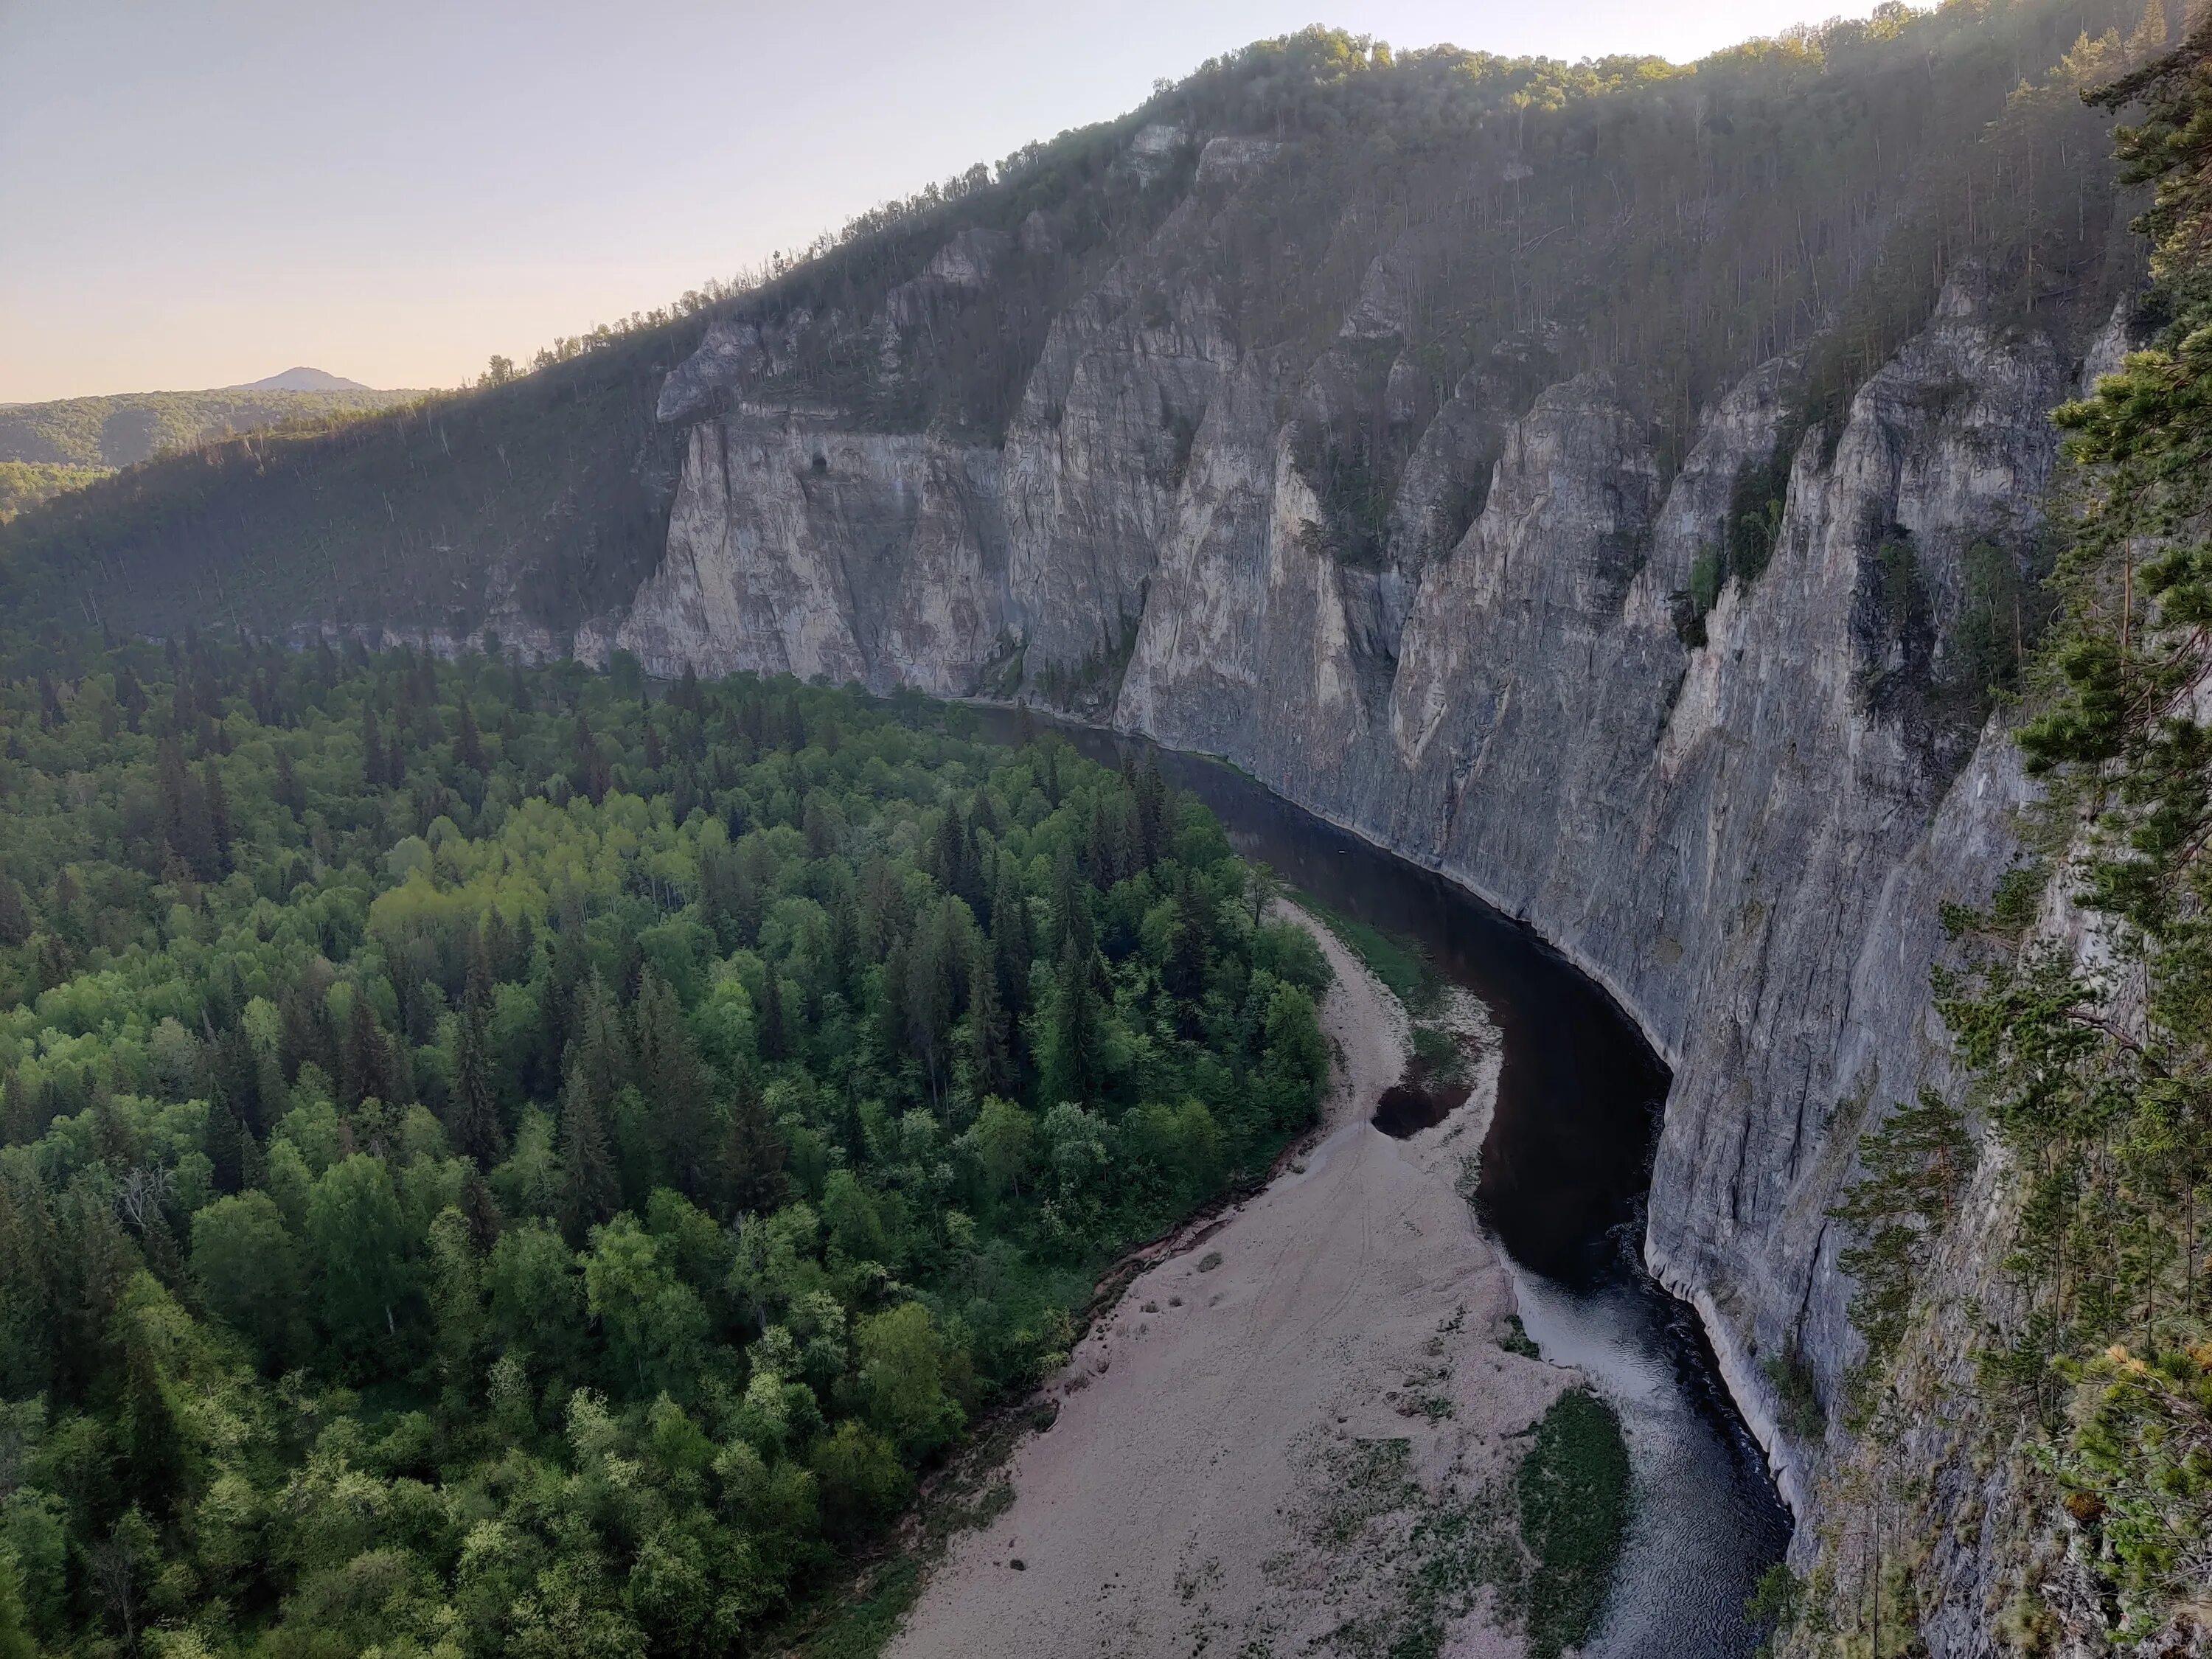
point(1746, 840)
point(877, 557)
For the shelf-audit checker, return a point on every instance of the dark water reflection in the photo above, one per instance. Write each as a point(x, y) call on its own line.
point(1565, 1171)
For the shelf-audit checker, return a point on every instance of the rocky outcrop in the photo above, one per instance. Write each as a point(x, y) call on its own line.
point(870, 557)
point(1742, 823)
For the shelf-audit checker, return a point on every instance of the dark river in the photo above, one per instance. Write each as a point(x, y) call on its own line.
point(1565, 1172)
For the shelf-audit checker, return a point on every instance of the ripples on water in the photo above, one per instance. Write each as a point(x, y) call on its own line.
point(1565, 1170)
point(1706, 1521)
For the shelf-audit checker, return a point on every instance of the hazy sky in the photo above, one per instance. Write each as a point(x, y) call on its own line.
point(198, 194)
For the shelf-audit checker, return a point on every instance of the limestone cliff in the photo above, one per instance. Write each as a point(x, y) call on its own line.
point(1579, 485)
point(1741, 822)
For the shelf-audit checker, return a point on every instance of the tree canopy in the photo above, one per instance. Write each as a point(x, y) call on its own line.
point(497, 1159)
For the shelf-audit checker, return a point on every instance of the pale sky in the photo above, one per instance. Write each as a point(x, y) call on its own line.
point(201, 193)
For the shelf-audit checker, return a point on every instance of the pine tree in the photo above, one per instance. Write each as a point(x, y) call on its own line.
point(2148, 39)
point(719, 884)
point(289, 795)
point(16, 923)
point(590, 1189)
point(235, 1071)
point(1011, 946)
point(18, 1127)
point(753, 1182)
point(598, 1050)
point(304, 1033)
point(522, 957)
point(372, 750)
point(591, 773)
point(113, 1142)
point(775, 1035)
point(156, 1458)
point(1152, 791)
point(675, 1083)
point(933, 975)
point(367, 1072)
point(952, 852)
point(750, 896)
point(131, 695)
point(218, 816)
point(1184, 971)
point(1071, 908)
point(226, 1148)
point(185, 824)
point(480, 1210)
point(1916, 1163)
point(990, 1057)
point(844, 936)
point(1075, 1061)
point(570, 969)
point(494, 953)
point(1101, 859)
point(473, 1110)
point(468, 741)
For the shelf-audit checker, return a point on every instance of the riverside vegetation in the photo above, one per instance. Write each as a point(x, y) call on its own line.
point(494, 1163)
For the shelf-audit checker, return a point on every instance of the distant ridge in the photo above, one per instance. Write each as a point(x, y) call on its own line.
point(51, 448)
point(301, 380)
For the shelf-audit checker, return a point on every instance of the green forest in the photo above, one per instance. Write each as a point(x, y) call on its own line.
point(103, 433)
point(508, 1160)
point(26, 483)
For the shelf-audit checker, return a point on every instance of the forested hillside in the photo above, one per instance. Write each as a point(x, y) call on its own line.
point(1391, 221)
point(47, 449)
point(26, 483)
point(495, 1163)
point(128, 428)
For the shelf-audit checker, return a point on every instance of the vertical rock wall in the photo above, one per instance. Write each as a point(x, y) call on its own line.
point(1746, 838)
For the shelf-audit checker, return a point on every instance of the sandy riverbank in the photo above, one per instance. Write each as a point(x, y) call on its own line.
point(1291, 1437)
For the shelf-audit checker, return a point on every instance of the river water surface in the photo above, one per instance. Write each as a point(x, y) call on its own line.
point(1565, 1172)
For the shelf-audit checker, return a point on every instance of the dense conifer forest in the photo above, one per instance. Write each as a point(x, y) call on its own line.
point(499, 1161)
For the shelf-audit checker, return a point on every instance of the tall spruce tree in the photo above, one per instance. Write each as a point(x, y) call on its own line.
point(676, 1089)
point(473, 1108)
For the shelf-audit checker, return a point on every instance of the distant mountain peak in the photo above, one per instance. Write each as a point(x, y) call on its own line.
point(302, 379)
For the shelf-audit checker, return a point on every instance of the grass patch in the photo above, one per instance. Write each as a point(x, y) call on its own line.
point(861, 1627)
point(1402, 965)
point(1437, 1053)
point(1574, 1516)
point(1407, 1562)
